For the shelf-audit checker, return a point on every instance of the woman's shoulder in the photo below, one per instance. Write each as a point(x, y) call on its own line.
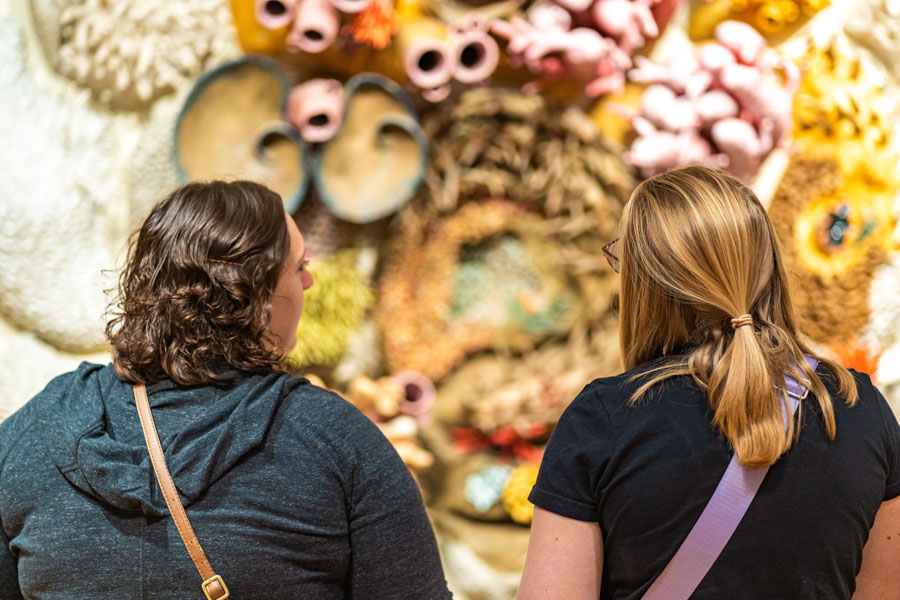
point(602, 393)
point(326, 415)
point(599, 400)
point(62, 389)
point(870, 401)
point(332, 430)
point(13, 428)
point(310, 403)
point(612, 386)
point(615, 391)
point(62, 400)
point(864, 384)
point(867, 392)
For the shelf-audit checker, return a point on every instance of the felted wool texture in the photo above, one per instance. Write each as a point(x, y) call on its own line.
point(78, 179)
point(59, 161)
point(532, 153)
point(128, 53)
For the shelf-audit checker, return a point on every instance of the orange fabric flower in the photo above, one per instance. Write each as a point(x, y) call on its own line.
point(375, 25)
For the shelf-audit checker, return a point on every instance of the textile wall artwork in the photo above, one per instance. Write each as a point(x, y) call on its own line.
point(455, 167)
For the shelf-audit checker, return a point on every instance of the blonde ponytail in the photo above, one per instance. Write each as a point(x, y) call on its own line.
point(746, 408)
point(707, 291)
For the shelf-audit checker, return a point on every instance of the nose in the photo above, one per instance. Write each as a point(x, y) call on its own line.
point(307, 280)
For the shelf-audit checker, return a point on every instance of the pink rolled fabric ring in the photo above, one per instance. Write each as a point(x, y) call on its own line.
point(477, 55)
point(274, 14)
point(316, 109)
point(429, 63)
point(419, 395)
point(315, 27)
point(351, 6)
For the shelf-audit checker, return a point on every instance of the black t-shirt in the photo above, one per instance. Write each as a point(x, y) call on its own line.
point(645, 473)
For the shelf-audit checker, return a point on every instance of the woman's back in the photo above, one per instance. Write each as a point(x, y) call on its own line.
point(646, 472)
point(708, 332)
point(292, 493)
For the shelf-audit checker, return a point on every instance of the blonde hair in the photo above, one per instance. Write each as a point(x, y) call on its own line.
point(698, 250)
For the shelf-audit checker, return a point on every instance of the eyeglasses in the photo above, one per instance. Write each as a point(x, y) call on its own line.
point(610, 251)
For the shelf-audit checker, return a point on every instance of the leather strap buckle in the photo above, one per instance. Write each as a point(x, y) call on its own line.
point(216, 593)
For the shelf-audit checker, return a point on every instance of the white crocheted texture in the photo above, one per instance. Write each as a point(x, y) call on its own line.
point(57, 157)
point(130, 52)
point(76, 179)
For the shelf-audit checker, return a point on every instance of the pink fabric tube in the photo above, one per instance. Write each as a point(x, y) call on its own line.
point(476, 54)
point(420, 394)
point(428, 63)
point(316, 109)
point(315, 26)
point(274, 14)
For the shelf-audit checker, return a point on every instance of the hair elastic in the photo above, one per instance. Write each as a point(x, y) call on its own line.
point(225, 262)
point(741, 321)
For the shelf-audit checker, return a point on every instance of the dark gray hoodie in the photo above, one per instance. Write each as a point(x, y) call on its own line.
point(292, 492)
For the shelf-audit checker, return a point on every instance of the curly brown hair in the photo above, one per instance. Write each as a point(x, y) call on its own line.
point(195, 294)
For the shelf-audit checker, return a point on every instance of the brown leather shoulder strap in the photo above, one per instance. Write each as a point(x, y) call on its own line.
point(213, 586)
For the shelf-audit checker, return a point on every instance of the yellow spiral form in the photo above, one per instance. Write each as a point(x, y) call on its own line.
point(515, 493)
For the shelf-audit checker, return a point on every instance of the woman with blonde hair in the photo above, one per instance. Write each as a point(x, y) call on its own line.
point(728, 461)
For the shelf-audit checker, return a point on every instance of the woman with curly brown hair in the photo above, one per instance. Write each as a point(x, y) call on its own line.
point(290, 490)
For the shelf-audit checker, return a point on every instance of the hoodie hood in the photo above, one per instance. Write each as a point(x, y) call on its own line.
point(90, 425)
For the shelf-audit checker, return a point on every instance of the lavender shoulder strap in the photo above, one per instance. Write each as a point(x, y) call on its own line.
point(718, 521)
